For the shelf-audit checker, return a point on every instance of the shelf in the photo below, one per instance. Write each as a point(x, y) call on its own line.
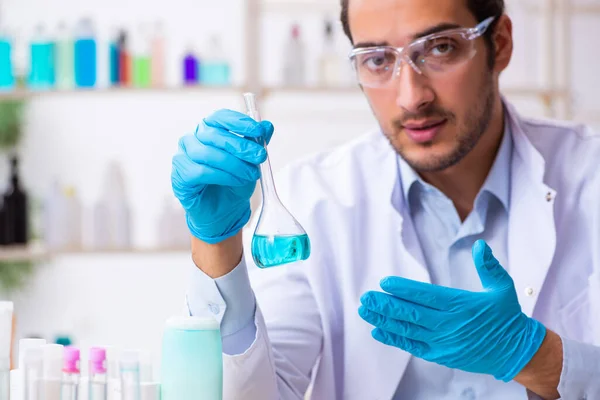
point(589, 9)
point(39, 253)
point(22, 253)
point(270, 90)
point(310, 6)
point(591, 118)
point(26, 93)
point(523, 91)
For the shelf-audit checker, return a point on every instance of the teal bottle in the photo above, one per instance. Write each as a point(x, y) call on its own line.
point(214, 70)
point(42, 55)
point(7, 79)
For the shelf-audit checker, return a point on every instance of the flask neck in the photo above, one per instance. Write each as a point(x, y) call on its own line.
point(267, 184)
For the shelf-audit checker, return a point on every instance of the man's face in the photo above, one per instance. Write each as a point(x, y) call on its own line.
point(432, 122)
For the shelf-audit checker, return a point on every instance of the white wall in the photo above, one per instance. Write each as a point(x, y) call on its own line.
point(123, 299)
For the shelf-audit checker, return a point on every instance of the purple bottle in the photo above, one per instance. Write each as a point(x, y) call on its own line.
point(190, 69)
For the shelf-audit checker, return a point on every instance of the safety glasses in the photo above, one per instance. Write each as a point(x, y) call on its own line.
point(432, 56)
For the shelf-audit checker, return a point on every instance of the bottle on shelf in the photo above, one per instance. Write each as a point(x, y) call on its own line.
point(294, 70)
point(113, 60)
point(191, 68)
point(112, 215)
point(54, 218)
point(85, 55)
point(7, 79)
point(73, 219)
point(4, 237)
point(124, 59)
point(141, 58)
point(42, 57)
point(330, 69)
point(65, 62)
point(15, 201)
point(215, 69)
point(172, 232)
point(157, 55)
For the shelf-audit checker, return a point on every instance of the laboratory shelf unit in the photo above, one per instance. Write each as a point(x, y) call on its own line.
point(325, 6)
point(37, 252)
point(196, 89)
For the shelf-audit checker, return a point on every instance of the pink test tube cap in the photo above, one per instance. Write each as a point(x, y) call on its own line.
point(72, 357)
point(97, 360)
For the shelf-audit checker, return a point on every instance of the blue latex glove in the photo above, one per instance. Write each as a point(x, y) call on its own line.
point(483, 332)
point(214, 173)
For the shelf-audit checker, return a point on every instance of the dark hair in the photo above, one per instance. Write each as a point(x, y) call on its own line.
point(481, 9)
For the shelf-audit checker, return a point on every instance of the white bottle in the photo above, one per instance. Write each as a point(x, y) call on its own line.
point(72, 221)
point(164, 232)
point(17, 376)
point(54, 215)
point(172, 232)
point(330, 70)
point(100, 226)
point(294, 70)
point(111, 215)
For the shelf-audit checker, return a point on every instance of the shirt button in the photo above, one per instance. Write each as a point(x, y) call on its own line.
point(549, 197)
point(468, 394)
point(214, 308)
point(529, 291)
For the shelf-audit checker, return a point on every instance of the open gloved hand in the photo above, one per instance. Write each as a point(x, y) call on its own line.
point(214, 173)
point(482, 332)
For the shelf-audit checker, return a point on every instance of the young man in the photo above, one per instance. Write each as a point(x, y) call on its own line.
point(402, 297)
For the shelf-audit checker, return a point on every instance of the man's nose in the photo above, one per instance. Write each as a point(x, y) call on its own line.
point(414, 90)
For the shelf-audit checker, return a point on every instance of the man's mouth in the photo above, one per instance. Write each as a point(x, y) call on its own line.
point(424, 131)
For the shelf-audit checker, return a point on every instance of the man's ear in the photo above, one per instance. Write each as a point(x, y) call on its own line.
point(502, 40)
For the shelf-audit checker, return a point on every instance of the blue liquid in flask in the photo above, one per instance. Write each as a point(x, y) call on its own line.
point(270, 251)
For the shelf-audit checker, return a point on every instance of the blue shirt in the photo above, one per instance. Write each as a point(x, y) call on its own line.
point(446, 243)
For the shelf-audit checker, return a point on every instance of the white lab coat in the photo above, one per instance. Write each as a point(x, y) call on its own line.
point(307, 312)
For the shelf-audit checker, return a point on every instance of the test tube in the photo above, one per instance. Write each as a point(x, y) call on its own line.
point(32, 370)
point(97, 386)
point(130, 375)
point(52, 371)
point(70, 382)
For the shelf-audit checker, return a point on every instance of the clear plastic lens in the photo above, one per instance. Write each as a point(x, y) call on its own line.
point(438, 54)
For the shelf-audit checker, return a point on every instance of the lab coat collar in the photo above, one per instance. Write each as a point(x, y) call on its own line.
point(497, 183)
point(531, 231)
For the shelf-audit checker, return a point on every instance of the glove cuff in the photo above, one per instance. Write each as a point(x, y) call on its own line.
point(531, 341)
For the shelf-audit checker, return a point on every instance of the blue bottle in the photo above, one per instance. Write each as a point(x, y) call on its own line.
point(215, 70)
point(113, 61)
point(42, 53)
point(192, 359)
point(85, 55)
point(7, 79)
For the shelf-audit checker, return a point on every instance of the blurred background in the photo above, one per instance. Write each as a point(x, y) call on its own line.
point(94, 95)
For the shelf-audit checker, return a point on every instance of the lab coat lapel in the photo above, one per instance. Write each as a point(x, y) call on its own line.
point(389, 363)
point(531, 228)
